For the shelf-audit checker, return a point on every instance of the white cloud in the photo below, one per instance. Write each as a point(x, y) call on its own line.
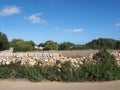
point(117, 24)
point(9, 10)
point(35, 18)
point(79, 30)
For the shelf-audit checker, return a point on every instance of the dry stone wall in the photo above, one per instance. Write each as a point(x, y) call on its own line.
point(47, 58)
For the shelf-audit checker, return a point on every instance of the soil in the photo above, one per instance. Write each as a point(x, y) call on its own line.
point(21, 84)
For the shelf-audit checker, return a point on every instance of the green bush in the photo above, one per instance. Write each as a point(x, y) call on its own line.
point(51, 45)
point(105, 68)
point(51, 72)
point(67, 71)
point(5, 72)
point(66, 46)
point(20, 45)
point(18, 71)
point(107, 65)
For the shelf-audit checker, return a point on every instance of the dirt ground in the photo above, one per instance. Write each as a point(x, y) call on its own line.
point(47, 85)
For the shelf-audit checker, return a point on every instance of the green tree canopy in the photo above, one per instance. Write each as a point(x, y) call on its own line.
point(118, 45)
point(102, 43)
point(51, 45)
point(4, 44)
point(66, 46)
point(41, 44)
point(21, 45)
point(32, 43)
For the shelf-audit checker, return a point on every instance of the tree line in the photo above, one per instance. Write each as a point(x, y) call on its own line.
point(22, 45)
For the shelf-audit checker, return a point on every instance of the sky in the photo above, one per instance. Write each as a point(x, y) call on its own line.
point(76, 21)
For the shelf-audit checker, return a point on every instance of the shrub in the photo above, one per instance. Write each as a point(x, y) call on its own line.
point(18, 71)
point(5, 72)
point(21, 45)
point(51, 45)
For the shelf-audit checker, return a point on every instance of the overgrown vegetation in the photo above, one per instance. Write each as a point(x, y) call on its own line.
point(104, 68)
point(18, 71)
point(20, 45)
point(51, 45)
point(104, 43)
point(4, 44)
point(100, 43)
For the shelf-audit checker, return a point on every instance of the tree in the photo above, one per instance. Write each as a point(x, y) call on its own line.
point(41, 44)
point(32, 43)
point(51, 45)
point(118, 45)
point(102, 43)
point(21, 45)
point(4, 44)
point(66, 46)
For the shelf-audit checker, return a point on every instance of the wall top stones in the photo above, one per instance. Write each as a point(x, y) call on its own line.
point(50, 57)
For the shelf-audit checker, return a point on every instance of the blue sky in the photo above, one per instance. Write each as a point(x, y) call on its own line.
point(77, 21)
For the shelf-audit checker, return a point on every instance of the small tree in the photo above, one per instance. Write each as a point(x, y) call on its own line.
point(4, 44)
point(21, 45)
point(50, 45)
point(66, 46)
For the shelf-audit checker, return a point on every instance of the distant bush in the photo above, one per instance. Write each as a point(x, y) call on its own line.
point(21, 45)
point(66, 46)
point(51, 45)
point(101, 43)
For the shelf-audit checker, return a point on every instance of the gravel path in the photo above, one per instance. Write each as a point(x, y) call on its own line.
point(27, 85)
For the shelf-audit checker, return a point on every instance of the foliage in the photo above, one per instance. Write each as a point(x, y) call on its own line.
point(51, 45)
point(102, 43)
point(66, 46)
point(105, 68)
point(51, 73)
point(107, 65)
point(18, 71)
point(4, 44)
point(67, 71)
point(118, 45)
point(32, 43)
point(21, 45)
point(41, 44)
